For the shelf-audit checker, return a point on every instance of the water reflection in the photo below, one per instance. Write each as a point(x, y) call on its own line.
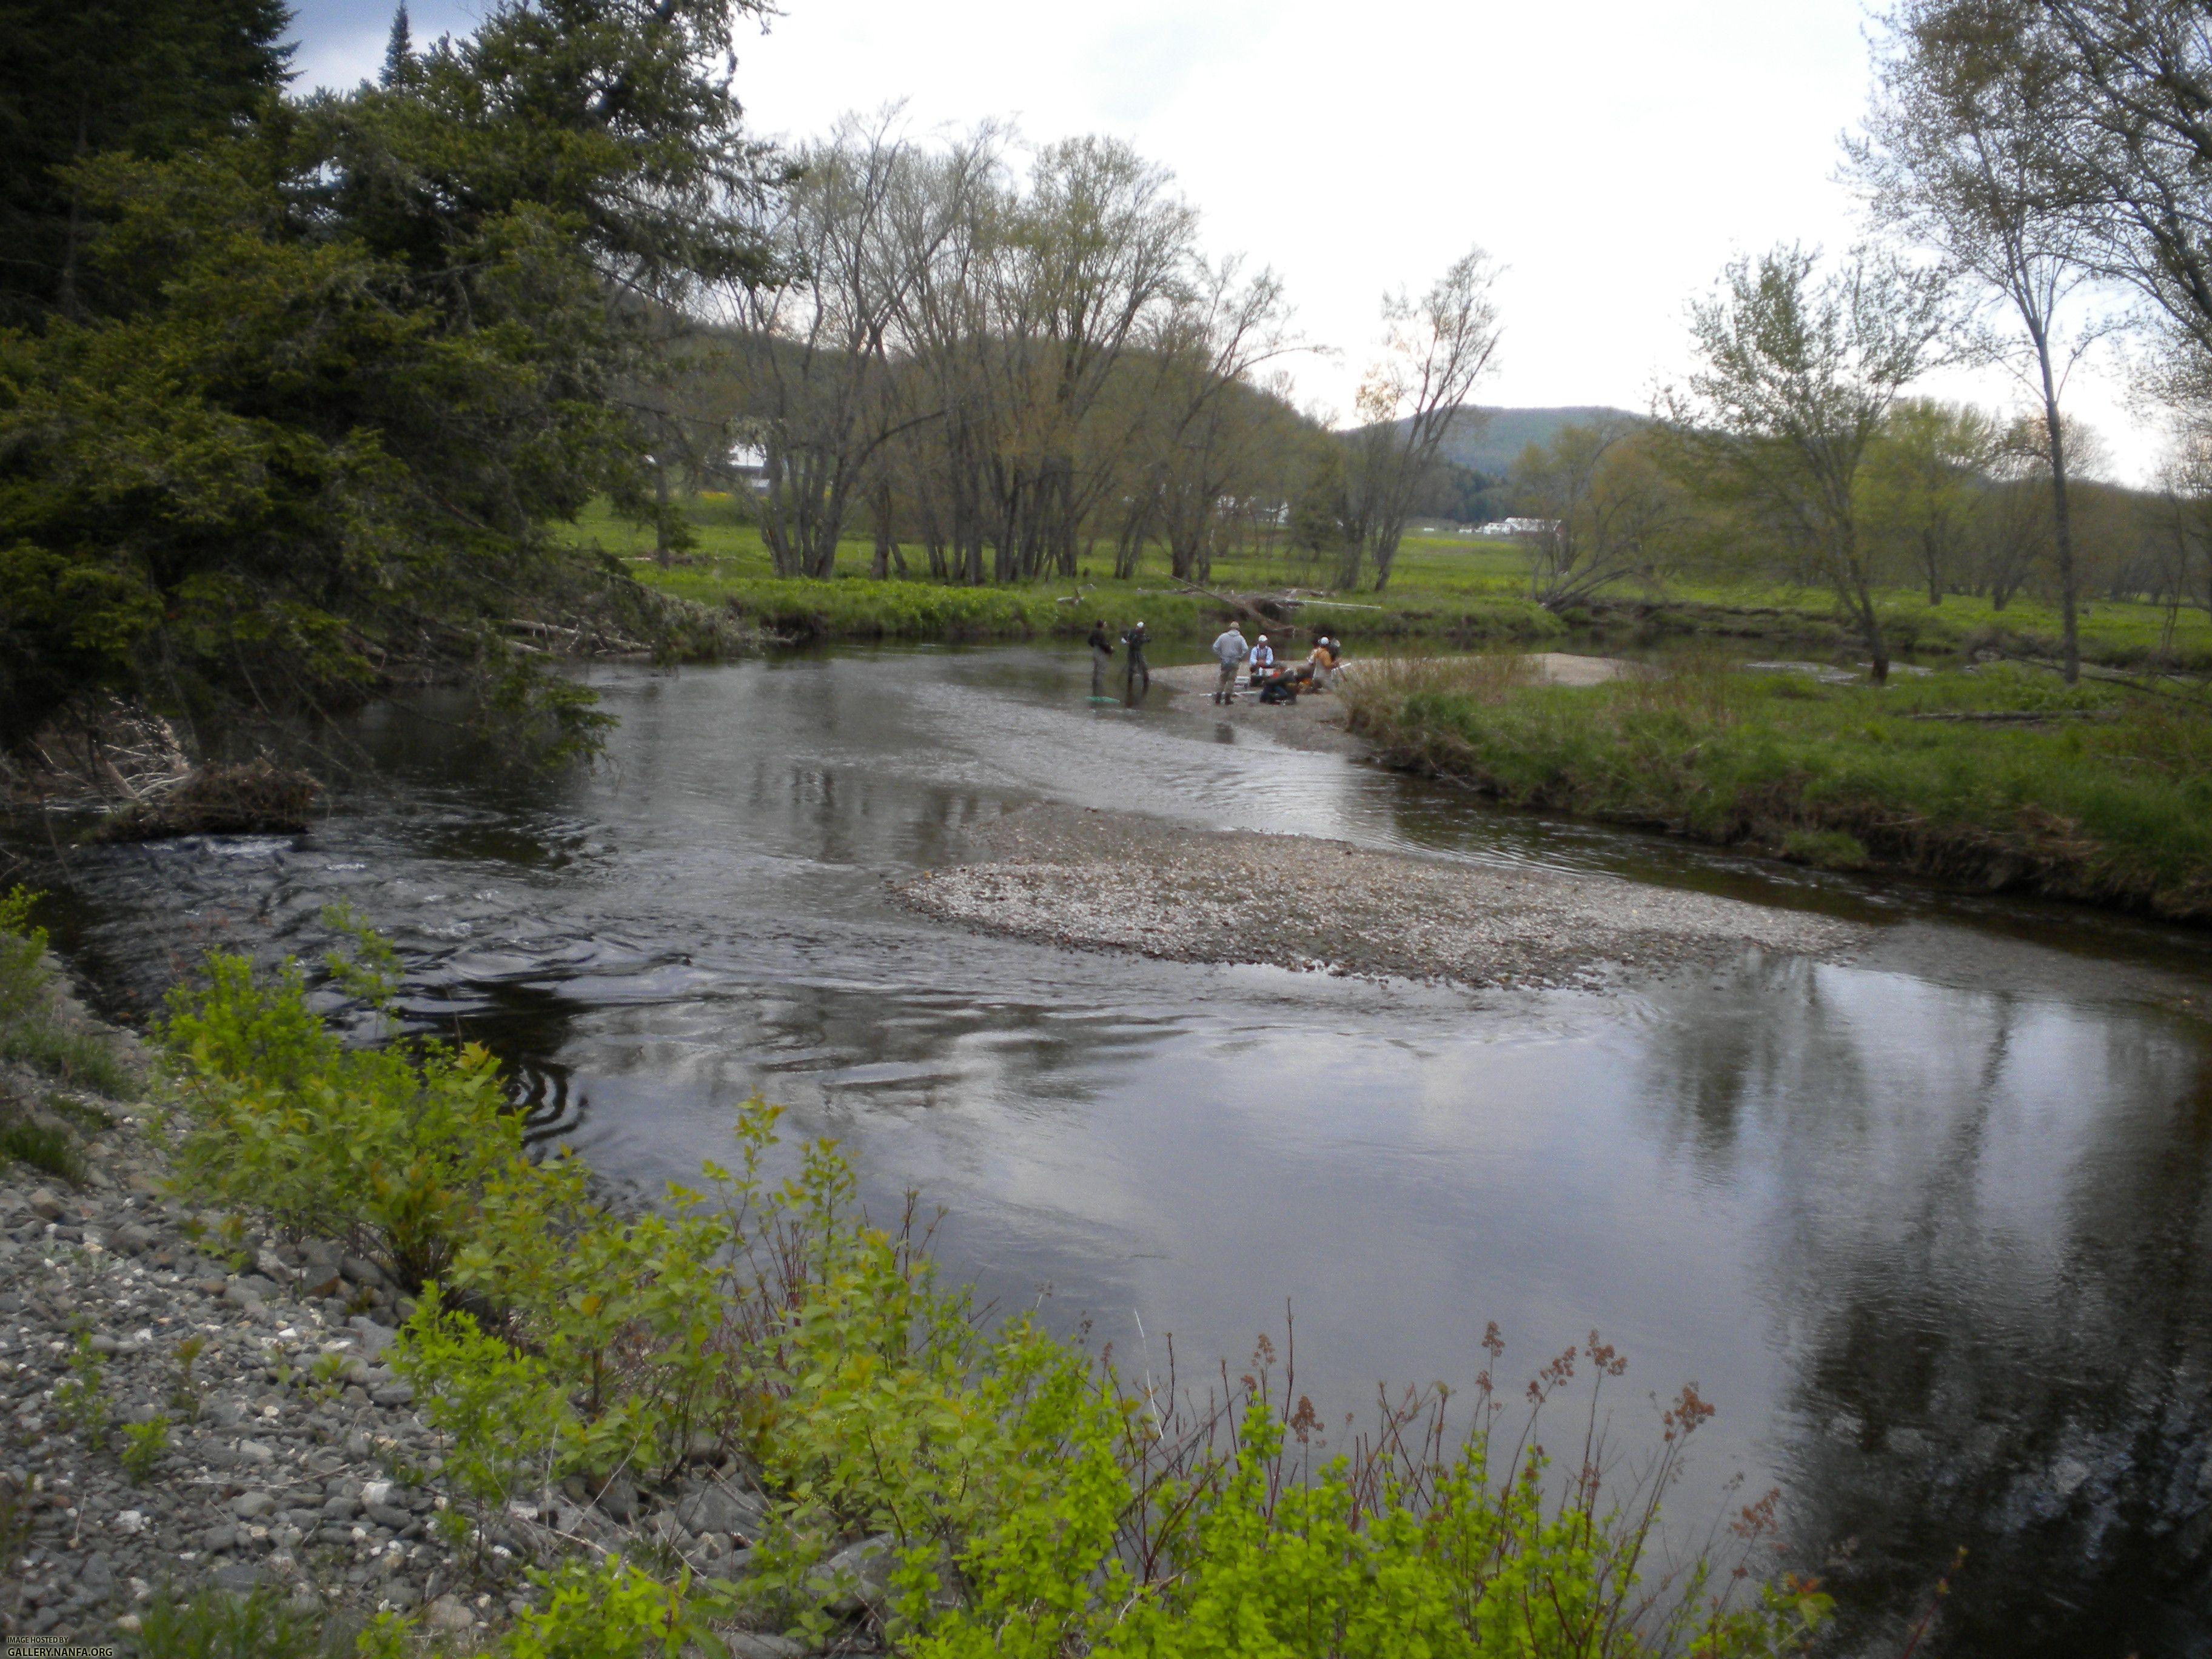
point(1930, 1228)
point(1983, 1266)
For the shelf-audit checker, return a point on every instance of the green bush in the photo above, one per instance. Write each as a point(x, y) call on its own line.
point(23, 955)
point(404, 1152)
point(609, 1610)
point(29, 1030)
point(503, 1408)
point(80, 1399)
point(1032, 1505)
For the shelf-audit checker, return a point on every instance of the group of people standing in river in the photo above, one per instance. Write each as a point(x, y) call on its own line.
point(1275, 682)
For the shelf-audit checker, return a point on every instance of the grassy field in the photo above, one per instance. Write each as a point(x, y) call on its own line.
point(2000, 777)
point(1458, 590)
point(1462, 594)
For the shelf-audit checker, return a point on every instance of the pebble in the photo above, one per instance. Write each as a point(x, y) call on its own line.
point(266, 1478)
point(449, 1612)
point(1124, 881)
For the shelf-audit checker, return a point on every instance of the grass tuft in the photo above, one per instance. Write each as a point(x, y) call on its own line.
point(261, 1625)
point(48, 1150)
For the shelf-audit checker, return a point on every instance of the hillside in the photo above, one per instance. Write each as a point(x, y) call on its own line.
point(1494, 439)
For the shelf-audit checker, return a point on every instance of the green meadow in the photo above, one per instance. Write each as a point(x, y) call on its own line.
point(1453, 590)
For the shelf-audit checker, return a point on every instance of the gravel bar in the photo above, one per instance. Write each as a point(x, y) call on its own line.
point(1120, 881)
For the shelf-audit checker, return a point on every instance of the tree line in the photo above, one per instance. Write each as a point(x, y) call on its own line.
point(1948, 500)
point(291, 387)
point(1024, 365)
point(1015, 372)
point(2021, 160)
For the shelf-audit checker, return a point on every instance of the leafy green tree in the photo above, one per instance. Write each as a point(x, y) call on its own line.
point(1925, 482)
point(1435, 352)
point(1798, 371)
point(1605, 510)
point(1958, 154)
point(353, 357)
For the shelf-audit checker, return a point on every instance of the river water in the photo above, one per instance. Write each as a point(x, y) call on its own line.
point(1930, 1228)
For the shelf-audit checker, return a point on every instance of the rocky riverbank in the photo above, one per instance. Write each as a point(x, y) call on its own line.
point(193, 1404)
point(1123, 882)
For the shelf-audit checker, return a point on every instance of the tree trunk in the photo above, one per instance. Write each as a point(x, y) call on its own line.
point(661, 512)
point(68, 296)
point(2061, 523)
point(1386, 554)
point(1877, 642)
point(880, 570)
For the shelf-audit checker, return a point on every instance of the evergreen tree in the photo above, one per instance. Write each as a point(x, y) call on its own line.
point(148, 77)
point(352, 355)
point(398, 50)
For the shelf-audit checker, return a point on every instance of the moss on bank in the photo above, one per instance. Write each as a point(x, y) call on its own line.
point(1999, 778)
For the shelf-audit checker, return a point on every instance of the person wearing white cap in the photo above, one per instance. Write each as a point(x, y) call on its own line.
point(1322, 663)
point(1263, 659)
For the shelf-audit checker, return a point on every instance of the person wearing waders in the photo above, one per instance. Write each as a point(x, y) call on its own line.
point(1102, 658)
point(1229, 651)
point(1138, 675)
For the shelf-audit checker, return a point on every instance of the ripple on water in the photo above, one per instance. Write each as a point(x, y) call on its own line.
point(1928, 1228)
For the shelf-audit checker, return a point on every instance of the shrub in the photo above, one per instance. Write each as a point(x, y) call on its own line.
point(503, 1409)
point(22, 954)
point(607, 1611)
point(397, 1151)
point(80, 1399)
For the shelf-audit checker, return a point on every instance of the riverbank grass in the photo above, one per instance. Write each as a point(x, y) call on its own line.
point(1999, 777)
point(38, 1034)
point(1461, 589)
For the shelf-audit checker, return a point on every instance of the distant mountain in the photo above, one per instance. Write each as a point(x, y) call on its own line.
point(1493, 439)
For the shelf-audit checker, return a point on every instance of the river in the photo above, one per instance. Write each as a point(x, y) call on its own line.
point(1928, 1227)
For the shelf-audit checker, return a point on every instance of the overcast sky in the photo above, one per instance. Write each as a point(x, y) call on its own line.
point(1611, 155)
